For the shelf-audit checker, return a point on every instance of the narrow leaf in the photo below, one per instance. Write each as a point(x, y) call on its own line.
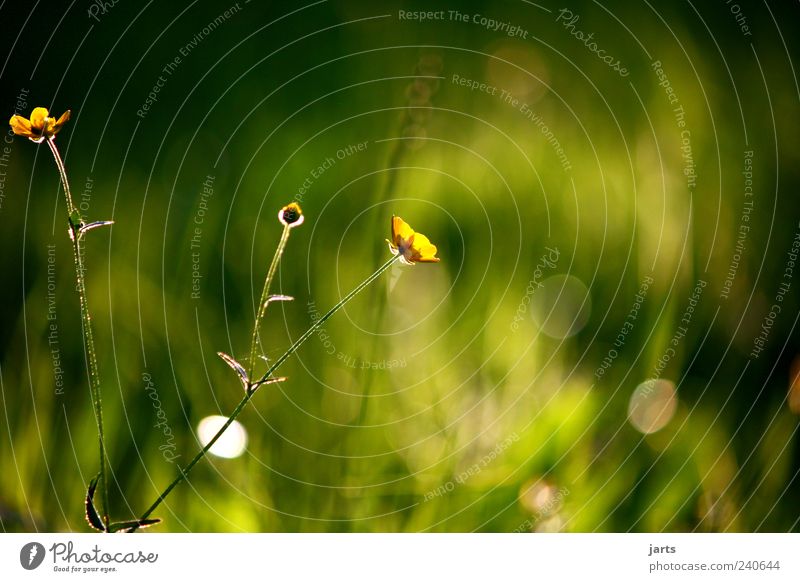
point(92, 517)
point(267, 381)
point(92, 225)
point(136, 523)
point(272, 298)
point(236, 367)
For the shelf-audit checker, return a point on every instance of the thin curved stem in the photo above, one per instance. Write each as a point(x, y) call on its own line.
point(185, 471)
point(262, 306)
point(249, 393)
point(62, 170)
point(318, 323)
point(86, 324)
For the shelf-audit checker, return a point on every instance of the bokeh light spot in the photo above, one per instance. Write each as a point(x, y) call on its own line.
point(230, 445)
point(539, 497)
point(553, 524)
point(652, 405)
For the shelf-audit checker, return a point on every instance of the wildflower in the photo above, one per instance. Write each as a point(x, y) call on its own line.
point(40, 126)
point(412, 247)
point(408, 246)
point(291, 215)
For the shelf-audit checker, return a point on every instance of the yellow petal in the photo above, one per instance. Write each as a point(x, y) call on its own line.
point(412, 246)
point(61, 121)
point(421, 241)
point(401, 231)
point(20, 125)
point(38, 116)
point(426, 254)
point(428, 251)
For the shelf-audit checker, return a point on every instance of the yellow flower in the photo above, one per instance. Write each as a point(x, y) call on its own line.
point(291, 215)
point(412, 247)
point(40, 126)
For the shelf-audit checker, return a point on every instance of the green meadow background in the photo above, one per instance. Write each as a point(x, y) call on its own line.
point(461, 396)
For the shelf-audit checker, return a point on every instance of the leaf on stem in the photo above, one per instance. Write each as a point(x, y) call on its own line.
point(236, 367)
point(84, 228)
point(272, 298)
point(92, 517)
point(256, 385)
point(135, 524)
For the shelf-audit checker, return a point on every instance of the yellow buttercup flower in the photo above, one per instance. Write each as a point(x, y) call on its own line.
point(412, 247)
point(291, 215)
point(40, 126)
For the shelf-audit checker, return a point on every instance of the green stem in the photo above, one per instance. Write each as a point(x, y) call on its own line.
point(262, 306)
point(63, 172)
point(324, 318)
point(249, 393)
point(184, 472)
point(86, 324)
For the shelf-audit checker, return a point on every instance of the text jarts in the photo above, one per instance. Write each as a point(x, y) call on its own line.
point(661, 550)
